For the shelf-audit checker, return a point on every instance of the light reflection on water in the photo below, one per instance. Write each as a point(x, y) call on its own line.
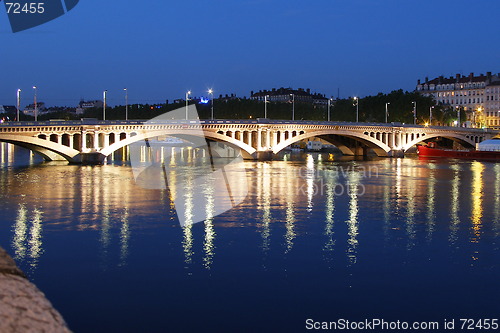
point(335, 214)
point(95, 194)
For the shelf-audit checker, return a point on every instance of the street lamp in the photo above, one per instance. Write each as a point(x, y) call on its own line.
point(480, 116)
point(187, 103)
point(357, 108)
point(211, 92)
point(104, 96)
point(293, 106)
point(387, 112)
point(126, 103)
point(34, 102)
point(18, 102)
point(329, 105)
point(430, 114)
point(414, 113)
point(265, 106)
point(458, 111)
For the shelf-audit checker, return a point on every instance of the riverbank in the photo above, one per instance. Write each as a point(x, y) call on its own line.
point(23, 307)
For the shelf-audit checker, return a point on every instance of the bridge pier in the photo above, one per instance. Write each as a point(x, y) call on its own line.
point(398, 153)
point(263, 155)
point(92, 158)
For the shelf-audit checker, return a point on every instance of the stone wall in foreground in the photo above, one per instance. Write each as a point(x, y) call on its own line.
point(23, 307)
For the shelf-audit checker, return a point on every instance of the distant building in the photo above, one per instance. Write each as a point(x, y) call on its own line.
point(492, 105)
point(84, 105)
point(288, 94)
point(10, 109)
point(30, 109)
point(477, 97)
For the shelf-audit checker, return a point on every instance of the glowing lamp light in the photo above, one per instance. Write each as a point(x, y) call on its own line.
point(204, 100)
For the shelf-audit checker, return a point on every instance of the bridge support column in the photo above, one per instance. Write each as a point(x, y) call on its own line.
point(84, 141)
point(275, 139)
point(71, 141)
point(259, 140)
point(96, 141)
point(106, 141)
point(249, 138)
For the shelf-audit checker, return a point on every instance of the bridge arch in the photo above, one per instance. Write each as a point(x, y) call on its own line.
point(455, 137)
point(380, 148)
point(246, 149)
point(47, 149)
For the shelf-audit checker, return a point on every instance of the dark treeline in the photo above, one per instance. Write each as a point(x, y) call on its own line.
point(371, 109)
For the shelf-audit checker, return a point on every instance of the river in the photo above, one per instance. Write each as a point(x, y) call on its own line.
point(317, 237)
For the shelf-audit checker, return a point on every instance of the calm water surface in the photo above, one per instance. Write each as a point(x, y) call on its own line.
point(316, 238)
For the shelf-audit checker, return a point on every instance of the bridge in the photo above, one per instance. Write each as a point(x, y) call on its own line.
point(91, 141)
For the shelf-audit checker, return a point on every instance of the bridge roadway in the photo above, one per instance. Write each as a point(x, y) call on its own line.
point(90, 141)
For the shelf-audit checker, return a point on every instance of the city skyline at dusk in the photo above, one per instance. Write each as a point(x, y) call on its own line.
point(159, 50)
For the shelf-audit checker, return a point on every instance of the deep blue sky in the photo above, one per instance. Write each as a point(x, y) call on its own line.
point(160, 49)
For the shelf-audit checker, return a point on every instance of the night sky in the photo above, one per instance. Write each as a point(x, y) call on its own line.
point(161, 49)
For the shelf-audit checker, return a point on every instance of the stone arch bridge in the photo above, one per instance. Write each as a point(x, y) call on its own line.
point(90, 141)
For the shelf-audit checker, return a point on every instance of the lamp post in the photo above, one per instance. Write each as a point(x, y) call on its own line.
point(265, 106)
point(104, 96)
point(35, 103)
point(430, 114)
point(458, 112)
point(414, 113)
point(211, 92)
point(18, 102)
point(126, 103)
point(329, 105)
point(387, 112)
point(357, 108)
point(480, 116)
point(187, 102)
point(293, 106)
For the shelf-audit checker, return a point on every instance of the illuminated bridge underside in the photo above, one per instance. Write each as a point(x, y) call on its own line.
point(91, 142)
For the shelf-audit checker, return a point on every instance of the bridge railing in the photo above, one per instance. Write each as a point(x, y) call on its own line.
point(264, 121)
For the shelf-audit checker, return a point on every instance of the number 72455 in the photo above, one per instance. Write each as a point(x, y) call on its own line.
point(27, 8)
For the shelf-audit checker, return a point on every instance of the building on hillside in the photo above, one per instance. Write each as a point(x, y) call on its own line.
point(10, 109)
point(40, 109)
point(84, 105)
point(288, 94)
point(476, 97)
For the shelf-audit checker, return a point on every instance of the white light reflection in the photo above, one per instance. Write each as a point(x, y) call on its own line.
point(208, 244)
point(289, 214)
point(331, 183)
point(105, 228)
point(431, 204)
point(353, 183)
point(310, 181)
point(265, 178)
point(410, 211)
point(187, 242)
point(124, 237)
point(20, 233)
point(35, 240)
point(496, 221)
point(455, 203)
point(387, 207)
